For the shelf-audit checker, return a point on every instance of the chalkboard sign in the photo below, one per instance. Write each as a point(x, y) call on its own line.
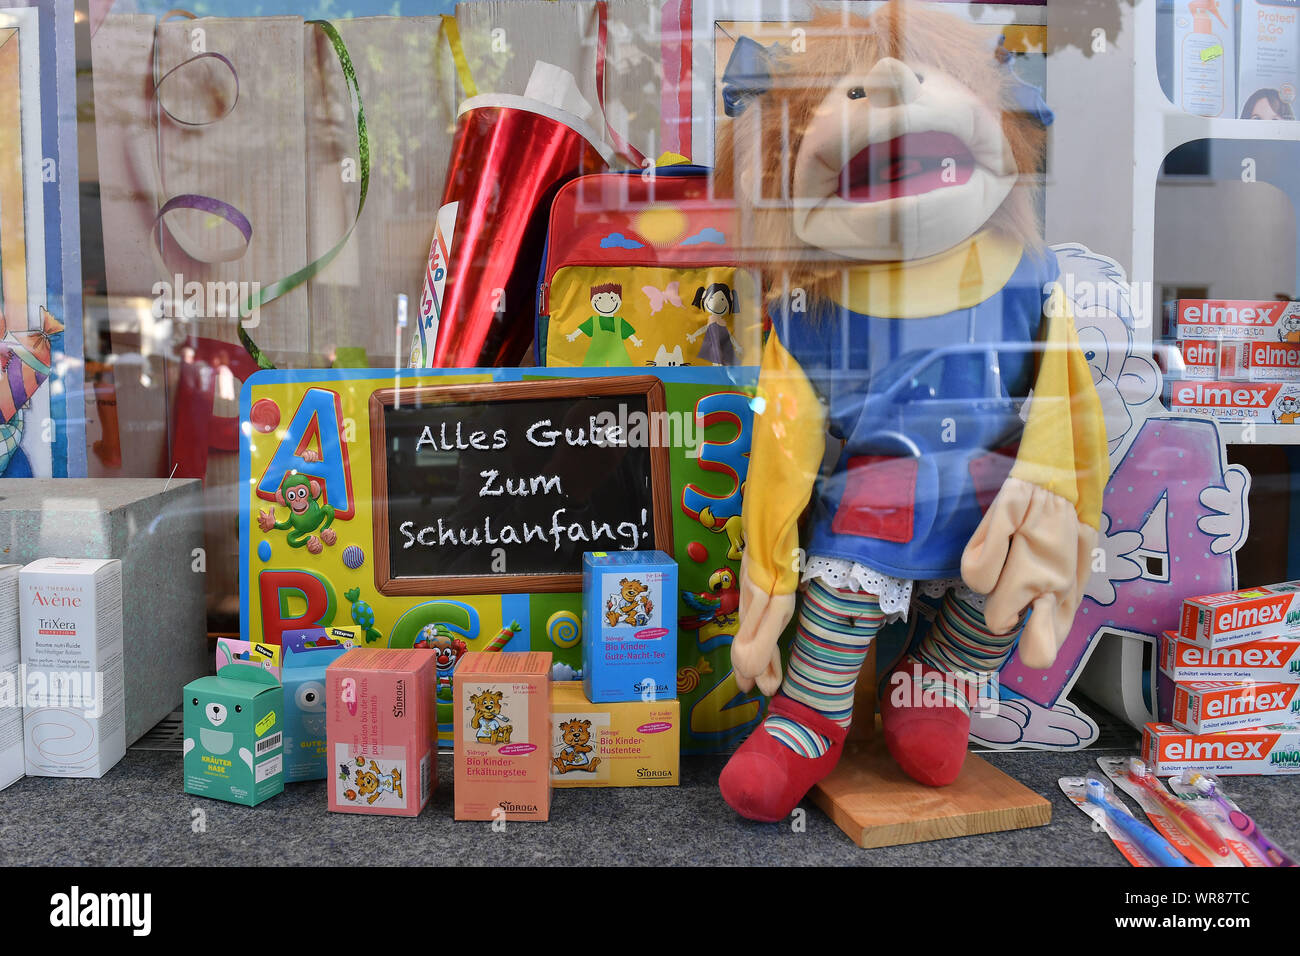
point(500, 487)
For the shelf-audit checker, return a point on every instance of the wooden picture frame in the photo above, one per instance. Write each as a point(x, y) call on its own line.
point(576, 388)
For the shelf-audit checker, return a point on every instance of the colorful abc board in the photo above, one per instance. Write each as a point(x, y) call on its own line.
point(419, 509)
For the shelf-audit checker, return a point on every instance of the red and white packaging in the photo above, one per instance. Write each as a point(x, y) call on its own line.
point(1274, 660)
point(1233, 617)
point(1270, 361)
point(1211, 707)
point(1235, 320)
point(1268, 751)
point(1268, 402)
point(1210, 359)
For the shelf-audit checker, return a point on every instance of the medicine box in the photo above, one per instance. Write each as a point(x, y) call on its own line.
point(629, 626)
point(303, 676)
point(74, 714)
point(628, 744)
point(11, 679)
point(502, 710)
point(381, 730)
point(234, 740)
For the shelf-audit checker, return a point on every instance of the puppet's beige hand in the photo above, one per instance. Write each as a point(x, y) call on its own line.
point(754, 654)
point(1030, 551)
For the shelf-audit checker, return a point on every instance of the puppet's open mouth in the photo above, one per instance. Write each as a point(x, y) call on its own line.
point(908, 165)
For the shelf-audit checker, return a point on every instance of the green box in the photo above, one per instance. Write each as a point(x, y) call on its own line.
point(234, 741)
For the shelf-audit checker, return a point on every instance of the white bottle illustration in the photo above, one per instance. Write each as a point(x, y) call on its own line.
point(1201, 63)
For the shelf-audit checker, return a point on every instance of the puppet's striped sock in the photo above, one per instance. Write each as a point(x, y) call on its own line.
point(960, 645)
point(835, 630)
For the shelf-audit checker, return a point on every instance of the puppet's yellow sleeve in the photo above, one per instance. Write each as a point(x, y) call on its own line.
point(1063, 448)
point(785, 455)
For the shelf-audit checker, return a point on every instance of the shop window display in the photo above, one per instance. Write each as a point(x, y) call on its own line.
point(855, 409)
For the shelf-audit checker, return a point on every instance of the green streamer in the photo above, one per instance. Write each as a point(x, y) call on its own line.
point(312, 269)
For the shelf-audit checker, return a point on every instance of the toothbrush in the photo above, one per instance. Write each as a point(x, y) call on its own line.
point(1188, 820)
point(1240, 821)
point(1148, 840)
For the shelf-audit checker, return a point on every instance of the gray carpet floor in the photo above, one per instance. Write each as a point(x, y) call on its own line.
point(137, 815)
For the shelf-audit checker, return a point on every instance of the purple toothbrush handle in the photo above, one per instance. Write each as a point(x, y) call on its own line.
point(1246, 827)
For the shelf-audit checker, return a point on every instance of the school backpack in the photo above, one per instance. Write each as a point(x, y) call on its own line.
point(640, 270)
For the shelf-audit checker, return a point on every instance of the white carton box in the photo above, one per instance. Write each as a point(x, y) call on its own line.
point(74, 718)
point(11, 682)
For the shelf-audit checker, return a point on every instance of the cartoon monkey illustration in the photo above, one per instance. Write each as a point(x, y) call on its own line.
point(307, 515)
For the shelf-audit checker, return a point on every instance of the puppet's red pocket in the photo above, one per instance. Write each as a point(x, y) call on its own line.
point(989, 472)
point(879, 498)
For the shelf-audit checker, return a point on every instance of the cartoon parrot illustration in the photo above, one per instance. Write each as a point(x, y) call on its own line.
point(714, 606)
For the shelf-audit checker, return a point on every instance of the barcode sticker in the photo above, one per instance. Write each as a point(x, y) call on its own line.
point(269, 744)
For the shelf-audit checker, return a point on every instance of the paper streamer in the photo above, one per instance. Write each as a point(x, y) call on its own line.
point(295, 279)
point(621, 146)
point(279, 288)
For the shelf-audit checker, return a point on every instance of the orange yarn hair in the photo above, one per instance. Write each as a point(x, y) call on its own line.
point(756, 150)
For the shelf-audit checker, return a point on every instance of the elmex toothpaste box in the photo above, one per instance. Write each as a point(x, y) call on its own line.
point(1270, 361)
point(1274, 660)
point(1234, 320)
point(502, 735)
point(1268, 402)
point(1214, 706)
point(1210, 359)
point(1268, 750)
point(381, 731)
point(1233, 617)
point(629, 744)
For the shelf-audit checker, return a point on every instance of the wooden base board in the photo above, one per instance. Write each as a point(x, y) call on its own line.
point(876, 804)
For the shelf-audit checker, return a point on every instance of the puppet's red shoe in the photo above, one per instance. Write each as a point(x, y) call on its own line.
point(926, 727)
point(765, 780)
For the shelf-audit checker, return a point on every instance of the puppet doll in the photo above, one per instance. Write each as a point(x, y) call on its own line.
point(885, 177)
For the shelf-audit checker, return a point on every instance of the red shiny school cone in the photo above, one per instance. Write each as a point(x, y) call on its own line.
point(510, 156)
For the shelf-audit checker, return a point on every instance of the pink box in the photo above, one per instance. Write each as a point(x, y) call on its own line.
point(502, 736)
point(381, 731)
